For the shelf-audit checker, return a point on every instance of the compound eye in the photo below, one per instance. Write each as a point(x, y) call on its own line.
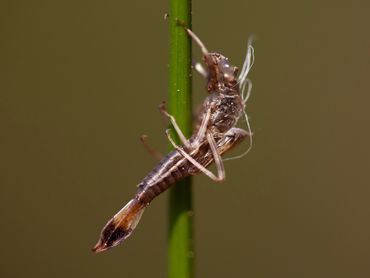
point(227, 76)
point(229, 71)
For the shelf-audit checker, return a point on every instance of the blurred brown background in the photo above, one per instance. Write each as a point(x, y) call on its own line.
point(80, 82)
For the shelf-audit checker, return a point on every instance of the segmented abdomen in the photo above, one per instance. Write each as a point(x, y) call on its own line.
point(169, 170)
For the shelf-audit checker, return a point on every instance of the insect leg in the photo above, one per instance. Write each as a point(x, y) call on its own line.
point(203, 127)
point(217, 158)
point(200, 69)
point(249, 132)
point(193, 161)
point(150, 150)
point(182, 137)
point(195, 38)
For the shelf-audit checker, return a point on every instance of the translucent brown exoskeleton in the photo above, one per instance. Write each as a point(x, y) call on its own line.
point(214, 134)
point(226, 100)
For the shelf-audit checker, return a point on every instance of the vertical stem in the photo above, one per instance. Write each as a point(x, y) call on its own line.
point(180, 238)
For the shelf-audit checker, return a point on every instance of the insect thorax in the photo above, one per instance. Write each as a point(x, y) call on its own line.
point(225, 111)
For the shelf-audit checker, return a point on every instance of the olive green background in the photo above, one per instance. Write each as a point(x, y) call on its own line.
point(80, 82)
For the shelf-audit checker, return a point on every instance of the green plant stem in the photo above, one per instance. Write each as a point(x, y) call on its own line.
point(180, 237)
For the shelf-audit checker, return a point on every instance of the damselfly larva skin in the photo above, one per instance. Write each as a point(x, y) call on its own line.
point(226, 88)
point(214, 134)
point(172, 168)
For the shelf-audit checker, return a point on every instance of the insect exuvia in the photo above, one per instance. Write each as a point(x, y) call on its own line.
point(214, 134)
